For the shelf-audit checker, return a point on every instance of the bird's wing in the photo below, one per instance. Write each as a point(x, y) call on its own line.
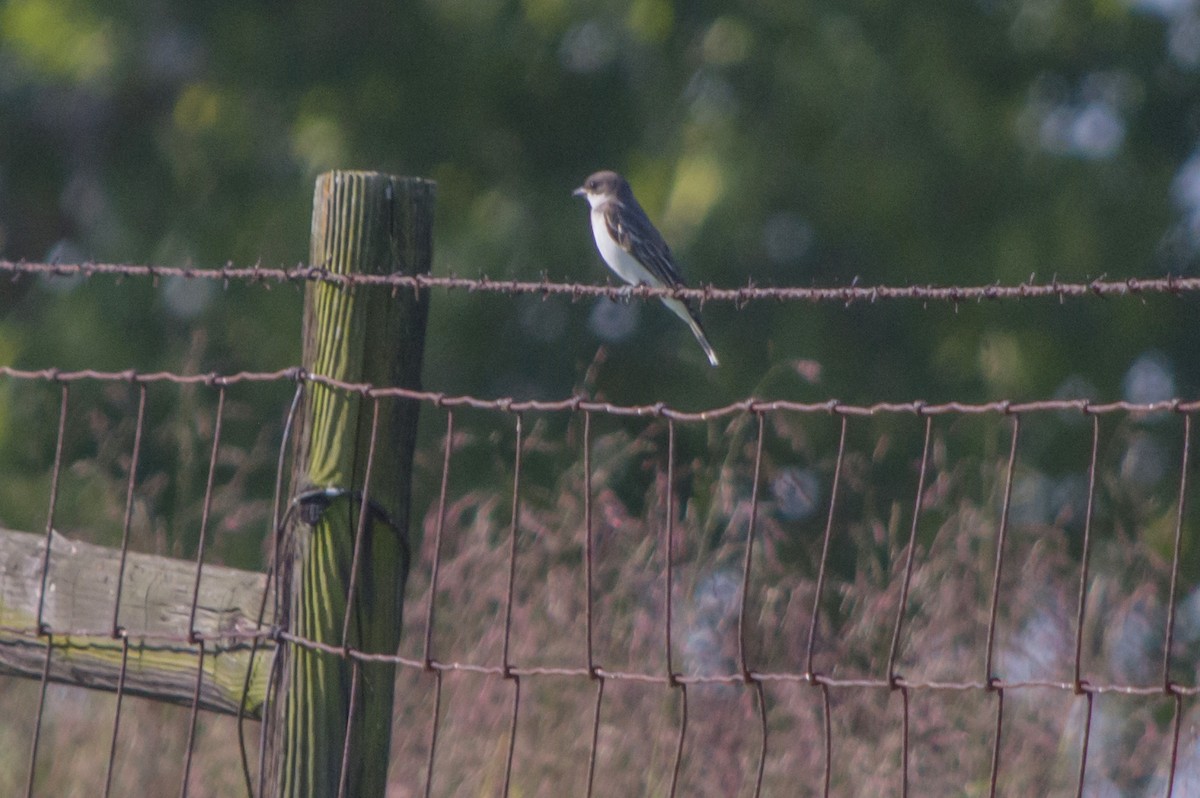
point(631, 228)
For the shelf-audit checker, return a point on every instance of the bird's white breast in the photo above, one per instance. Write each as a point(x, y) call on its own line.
point(621, 262)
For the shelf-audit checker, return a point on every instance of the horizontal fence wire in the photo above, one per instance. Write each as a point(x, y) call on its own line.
point(1169, 285)
point(590, 669)
point(830, 685)
point(579, 403)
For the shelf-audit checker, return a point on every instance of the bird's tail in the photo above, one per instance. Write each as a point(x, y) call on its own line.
point(689, 315)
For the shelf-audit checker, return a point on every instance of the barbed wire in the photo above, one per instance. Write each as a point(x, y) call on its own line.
point(1170, 285)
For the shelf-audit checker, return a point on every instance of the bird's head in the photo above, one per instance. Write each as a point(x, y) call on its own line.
point(601, 187)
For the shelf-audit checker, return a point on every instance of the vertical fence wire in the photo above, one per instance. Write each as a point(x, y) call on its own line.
point(588, 548)
point(439, 526)
point(348, 737)
point(433, 731)
point(994, 772)
point(42, 627)
point(749, 559)
point(1176, 723)
point(683, 725)
point(589, 599)
point(1168, 686)
point(116, 725)
point(1085, 558)
point(668, 571)
point(1089, 696)
point(761, 696)
point(430, 616)
point(512, 734)
point(592, 749)
point(364, 510)
point(38, 718)
point(817, 590)
point(133, 468)
point(272, 593)
point(118, 632)
point(894, 649)
point(1181, 505)
point(904, 740)
point(205, 511)
point(191, 734)
point(1001, 538)
point(827, 716)
point(514, 532)
point(55, 471)
point(747, 677)
point(668, 554)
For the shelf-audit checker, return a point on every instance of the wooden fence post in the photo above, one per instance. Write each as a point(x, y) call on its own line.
point(350, 447)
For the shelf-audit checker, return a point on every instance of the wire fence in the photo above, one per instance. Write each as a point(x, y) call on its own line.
point(560, 640)
point(1171, 285)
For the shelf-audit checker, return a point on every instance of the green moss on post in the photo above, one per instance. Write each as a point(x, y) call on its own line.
point(363, 223)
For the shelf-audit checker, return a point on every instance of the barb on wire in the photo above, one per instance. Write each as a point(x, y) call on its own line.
point(741, 296)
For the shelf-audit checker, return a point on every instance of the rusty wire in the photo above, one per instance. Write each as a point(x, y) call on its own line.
point(1169, 638)
point(116, 725)
point(1001, 537)
point(1087, 737)
point(506, 666)
point(910, 553)
point(746, 672)
point(578, 403)
point(1170, 285)
point(363, 513)
point(125, 526)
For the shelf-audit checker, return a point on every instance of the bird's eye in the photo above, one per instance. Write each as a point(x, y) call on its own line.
point(591, 185)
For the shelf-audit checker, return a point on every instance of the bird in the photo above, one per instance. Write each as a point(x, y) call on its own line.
point(633, 248)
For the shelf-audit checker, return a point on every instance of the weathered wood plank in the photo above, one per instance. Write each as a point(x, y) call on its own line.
point(156, 600)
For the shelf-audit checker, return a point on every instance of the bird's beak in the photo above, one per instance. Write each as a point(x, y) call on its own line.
point(579, 192)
